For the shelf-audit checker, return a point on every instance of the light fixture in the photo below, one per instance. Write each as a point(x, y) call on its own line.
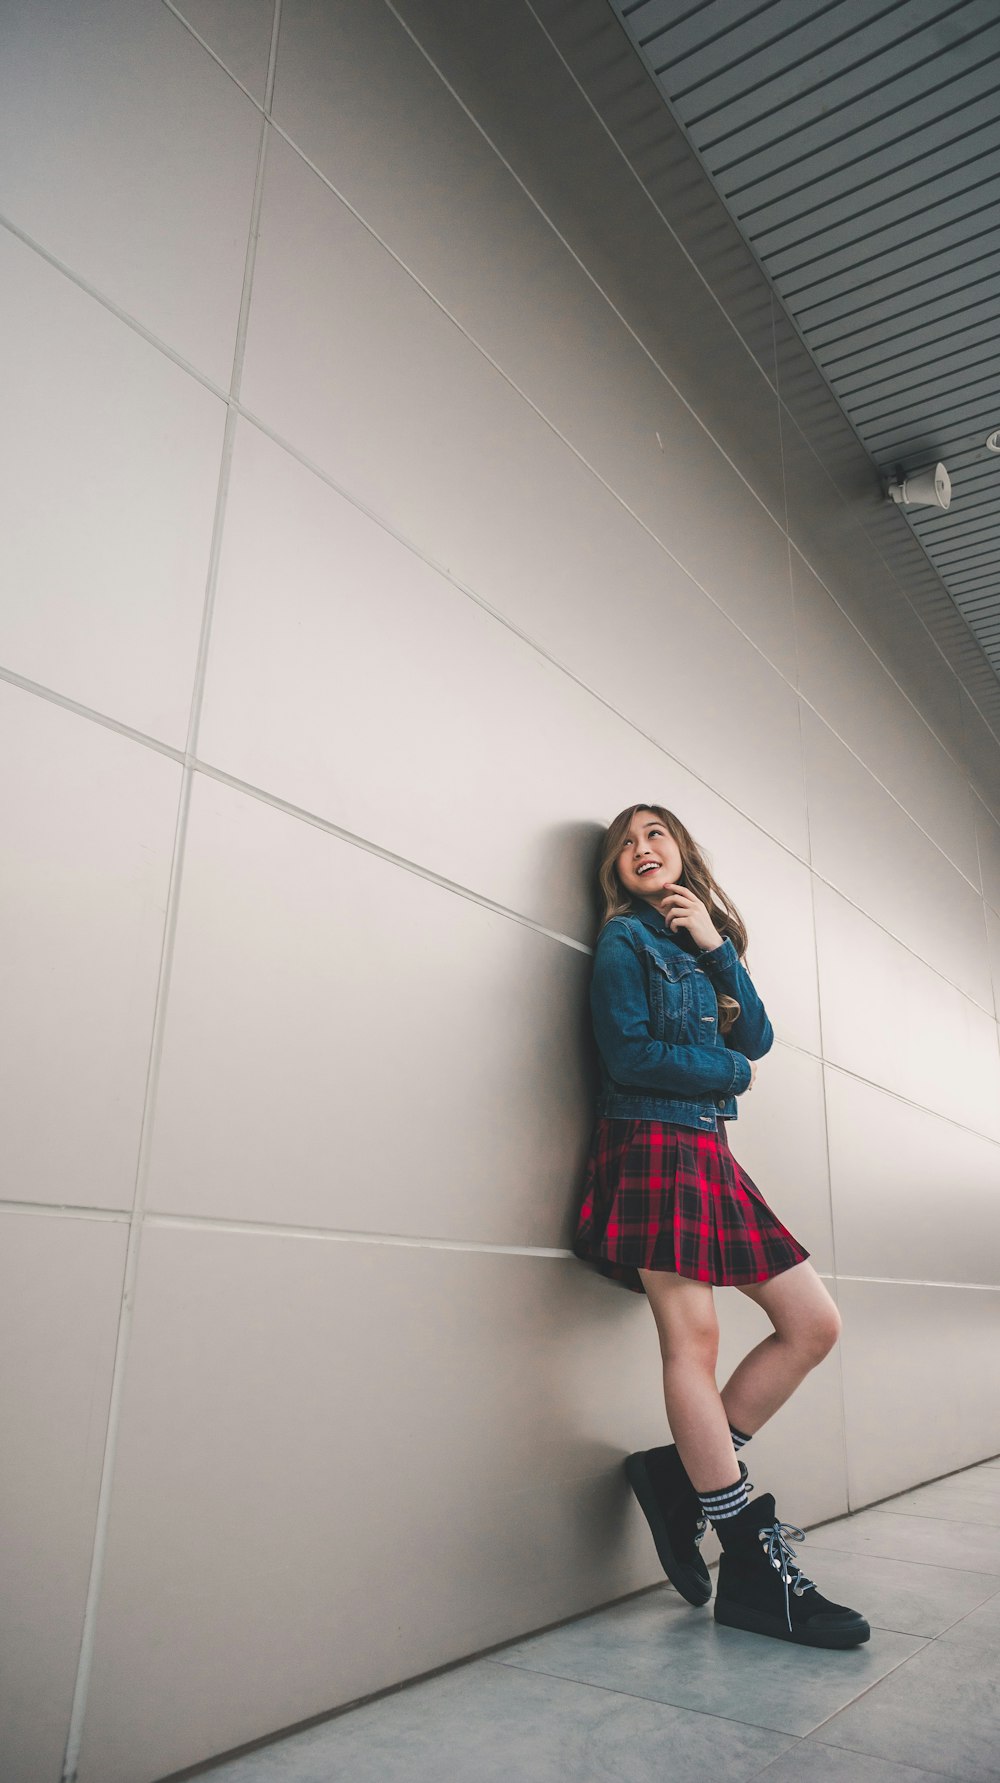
point(993, 441)
point(927, 488)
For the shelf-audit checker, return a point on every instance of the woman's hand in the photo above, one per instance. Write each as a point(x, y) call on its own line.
point(679, 907)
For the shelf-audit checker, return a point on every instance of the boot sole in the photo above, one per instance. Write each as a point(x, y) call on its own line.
point(754, 1622)
point(684, 1578)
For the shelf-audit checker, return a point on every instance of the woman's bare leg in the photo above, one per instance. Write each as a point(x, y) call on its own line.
point(806, 1327)
point(689, 1345)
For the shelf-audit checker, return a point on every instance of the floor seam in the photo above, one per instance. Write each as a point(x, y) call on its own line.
point(860, 1752)
point(891, 1673)
point(635, 1696)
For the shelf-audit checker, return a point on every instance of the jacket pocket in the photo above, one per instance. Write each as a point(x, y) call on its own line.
point(671, 995)
point(676, 968)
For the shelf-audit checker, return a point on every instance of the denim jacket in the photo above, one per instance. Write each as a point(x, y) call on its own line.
point(656, 1022)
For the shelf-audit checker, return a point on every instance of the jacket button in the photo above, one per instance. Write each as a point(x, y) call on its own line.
point(720, 1104)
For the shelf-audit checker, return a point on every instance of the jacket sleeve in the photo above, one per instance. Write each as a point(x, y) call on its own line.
point(620, 1010)
point(751, 1031)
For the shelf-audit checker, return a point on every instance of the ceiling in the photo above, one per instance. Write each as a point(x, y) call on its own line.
point(856, 145)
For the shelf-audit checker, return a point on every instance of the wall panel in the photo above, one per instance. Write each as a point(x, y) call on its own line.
point(351, 1046)
point(60, 1287)
point(307, 1426)
point(465, 471)
point(891, 1019)
point(526, 506)
point(872, 851)
point(130, 155)
point(914, 1195)
point(419, 171)
point(88, 821)
point(107, 516)
point(844, 681)
point(920, 1360)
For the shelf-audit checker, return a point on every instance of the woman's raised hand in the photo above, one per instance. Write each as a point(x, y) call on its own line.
point(680, 908)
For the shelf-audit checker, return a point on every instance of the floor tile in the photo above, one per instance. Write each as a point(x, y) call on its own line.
point(933, 1541)
point(940, 1710)
point(489, 1723)
point(658, 1646)
point(652, 1687)
point(897, 1594)
point(809, 1761)
point(964, 1498)
point(981, 1625)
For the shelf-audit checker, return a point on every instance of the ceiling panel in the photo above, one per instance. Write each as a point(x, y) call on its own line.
point(857, 148)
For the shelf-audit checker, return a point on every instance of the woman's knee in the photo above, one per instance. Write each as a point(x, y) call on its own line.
point(821, 1333)
point(803, 1312)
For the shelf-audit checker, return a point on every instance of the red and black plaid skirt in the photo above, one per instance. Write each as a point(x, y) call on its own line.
point(659, 1196)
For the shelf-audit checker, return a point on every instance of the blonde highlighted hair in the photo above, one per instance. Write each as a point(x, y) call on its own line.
point(696, 874)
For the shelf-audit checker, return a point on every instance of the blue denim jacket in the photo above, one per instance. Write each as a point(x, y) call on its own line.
point(656, 1022)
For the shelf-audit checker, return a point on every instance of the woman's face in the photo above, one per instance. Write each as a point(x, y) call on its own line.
point(648, 843)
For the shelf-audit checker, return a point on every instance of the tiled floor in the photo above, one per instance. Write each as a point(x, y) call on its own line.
point(653, 1689)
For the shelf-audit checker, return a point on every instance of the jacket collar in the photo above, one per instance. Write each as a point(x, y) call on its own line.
point(653, 919)
point(656, 922)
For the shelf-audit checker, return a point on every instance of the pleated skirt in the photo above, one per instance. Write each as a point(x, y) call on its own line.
point(659, 1196)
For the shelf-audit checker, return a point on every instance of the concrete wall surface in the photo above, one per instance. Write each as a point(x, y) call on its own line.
point(405, 469)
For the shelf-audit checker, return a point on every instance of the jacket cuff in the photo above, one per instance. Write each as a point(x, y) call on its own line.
point(724, 956)
point(742, 1073)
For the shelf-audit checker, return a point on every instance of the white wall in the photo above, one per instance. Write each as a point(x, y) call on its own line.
point(356, 576)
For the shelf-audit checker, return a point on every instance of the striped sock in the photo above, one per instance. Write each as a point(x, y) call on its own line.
point(738, 1438)
point(720, 1506)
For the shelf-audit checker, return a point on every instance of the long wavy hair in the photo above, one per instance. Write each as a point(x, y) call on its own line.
point(696, 874)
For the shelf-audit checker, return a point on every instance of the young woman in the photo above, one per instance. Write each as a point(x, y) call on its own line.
point(669, 1211)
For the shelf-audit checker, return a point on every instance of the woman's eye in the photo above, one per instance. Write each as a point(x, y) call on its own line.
point(653, 833)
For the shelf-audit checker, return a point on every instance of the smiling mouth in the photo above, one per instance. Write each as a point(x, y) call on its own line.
point(644, 872)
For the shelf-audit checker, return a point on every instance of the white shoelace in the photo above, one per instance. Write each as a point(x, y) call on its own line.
point(781, 1554)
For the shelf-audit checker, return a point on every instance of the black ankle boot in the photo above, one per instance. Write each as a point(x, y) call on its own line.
point(763, 1589)
point(672, 1509)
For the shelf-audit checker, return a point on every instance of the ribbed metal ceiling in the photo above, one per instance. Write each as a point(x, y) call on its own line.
point(857, 147)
